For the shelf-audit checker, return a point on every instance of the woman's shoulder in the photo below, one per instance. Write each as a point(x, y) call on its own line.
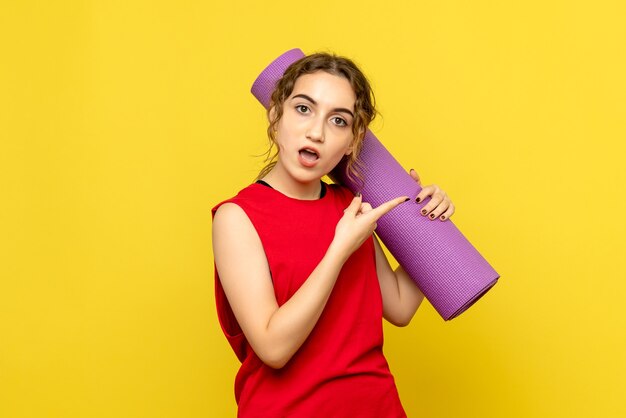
point(243, 195)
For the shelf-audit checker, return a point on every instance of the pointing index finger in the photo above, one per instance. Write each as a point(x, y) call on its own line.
point(387, 206)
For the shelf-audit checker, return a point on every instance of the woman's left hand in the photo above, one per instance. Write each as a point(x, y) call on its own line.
point(440, 205)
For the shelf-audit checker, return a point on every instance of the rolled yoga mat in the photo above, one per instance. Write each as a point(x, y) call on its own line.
point(444, 265)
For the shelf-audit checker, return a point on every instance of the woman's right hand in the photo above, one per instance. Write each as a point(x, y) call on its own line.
point(358, 223)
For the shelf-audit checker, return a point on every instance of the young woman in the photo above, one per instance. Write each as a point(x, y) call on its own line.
point(301, 283)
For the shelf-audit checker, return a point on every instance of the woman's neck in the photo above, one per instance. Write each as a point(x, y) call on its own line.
point(287, 185)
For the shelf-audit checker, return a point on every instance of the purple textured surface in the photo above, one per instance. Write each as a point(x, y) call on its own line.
point(264, 84)
point(445, 266)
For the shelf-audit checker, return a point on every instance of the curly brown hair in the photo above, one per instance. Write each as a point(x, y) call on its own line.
point(364, 106)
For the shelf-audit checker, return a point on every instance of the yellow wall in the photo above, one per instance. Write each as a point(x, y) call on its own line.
point(123, 122)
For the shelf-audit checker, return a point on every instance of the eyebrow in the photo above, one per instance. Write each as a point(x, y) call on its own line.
point(337, 109)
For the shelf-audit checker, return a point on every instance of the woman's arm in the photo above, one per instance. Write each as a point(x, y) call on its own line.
point(276, 333)
point(401, 296)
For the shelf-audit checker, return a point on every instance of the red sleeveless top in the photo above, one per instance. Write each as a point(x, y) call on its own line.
point(340, 370)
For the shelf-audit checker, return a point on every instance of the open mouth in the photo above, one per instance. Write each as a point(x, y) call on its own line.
point(308, 154)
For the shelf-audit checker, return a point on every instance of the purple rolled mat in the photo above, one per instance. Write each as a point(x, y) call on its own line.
point(445, 266)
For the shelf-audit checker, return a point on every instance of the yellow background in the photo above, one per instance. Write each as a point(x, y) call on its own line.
point(123, 122)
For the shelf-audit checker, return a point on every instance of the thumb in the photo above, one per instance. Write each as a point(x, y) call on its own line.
point(415, 176)
point(354, 206)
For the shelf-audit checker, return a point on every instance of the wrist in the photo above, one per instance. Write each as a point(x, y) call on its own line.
point(336, 254)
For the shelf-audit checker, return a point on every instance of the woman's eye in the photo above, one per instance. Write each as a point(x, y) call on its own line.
point(301, 107)
point(340, 122)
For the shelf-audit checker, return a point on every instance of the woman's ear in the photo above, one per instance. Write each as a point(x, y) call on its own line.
point(272, 112)
point(350, 149)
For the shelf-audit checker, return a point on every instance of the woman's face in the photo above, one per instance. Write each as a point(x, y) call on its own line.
point(315, 131)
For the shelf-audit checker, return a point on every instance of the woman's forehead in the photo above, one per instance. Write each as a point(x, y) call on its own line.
point(325, 89)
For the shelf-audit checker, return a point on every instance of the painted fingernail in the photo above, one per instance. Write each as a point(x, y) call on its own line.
point(407, 199)
point(419, 199)
point(358, 194)
point(423, 211)
point(432, 216)
point(442, 217)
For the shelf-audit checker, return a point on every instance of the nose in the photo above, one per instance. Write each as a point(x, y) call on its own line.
point(315, 131)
